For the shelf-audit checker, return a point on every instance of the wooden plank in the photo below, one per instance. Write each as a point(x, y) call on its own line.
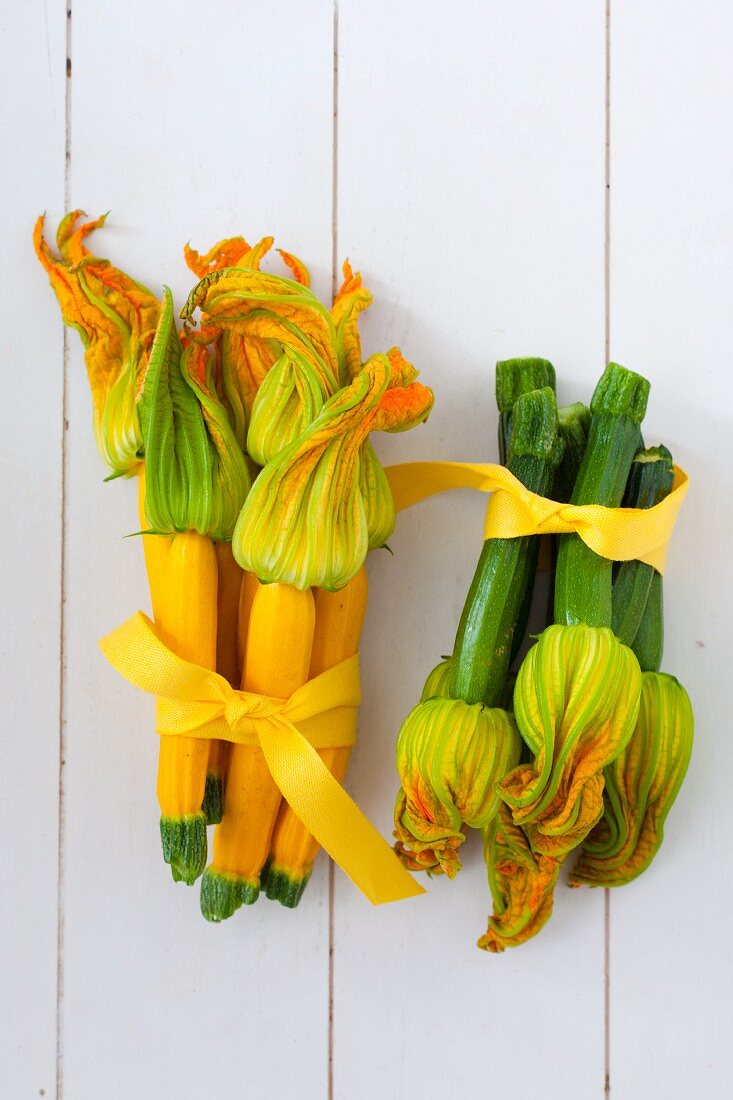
point(471, 196)
point(188, 125)
point(671, 287)
point(31, 414)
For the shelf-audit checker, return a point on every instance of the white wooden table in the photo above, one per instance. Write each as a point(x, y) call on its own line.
point(512, 178)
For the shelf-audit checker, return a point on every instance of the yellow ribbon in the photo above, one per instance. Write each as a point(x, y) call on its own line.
point(620, 534)
point(195, 701)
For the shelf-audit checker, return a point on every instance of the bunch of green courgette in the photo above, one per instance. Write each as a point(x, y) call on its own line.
point(583, 743)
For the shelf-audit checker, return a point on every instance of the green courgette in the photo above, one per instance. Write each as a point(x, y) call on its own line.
point(650, 481)
point(506, 568)
point(583, 580)
point(515, 377)
point(574, 421)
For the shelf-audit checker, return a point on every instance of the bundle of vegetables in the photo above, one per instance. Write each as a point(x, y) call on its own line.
point(604, 737)
point(260, 496)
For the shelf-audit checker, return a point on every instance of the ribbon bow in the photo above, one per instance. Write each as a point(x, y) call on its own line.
point(195, 701)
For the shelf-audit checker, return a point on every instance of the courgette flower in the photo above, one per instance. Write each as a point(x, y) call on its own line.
point(352, 298)
point(267, 313)
point(231, 252)
point(377, 497)
point(450, 758)
point(196, 474)
point(576, 701)
point(305, 521)
point(641, 786)
point(522, 884)
point(405, 404)
point(438, 681)
point(266, 320)
point(242, 362)
point(116, 318)
point(287, 402)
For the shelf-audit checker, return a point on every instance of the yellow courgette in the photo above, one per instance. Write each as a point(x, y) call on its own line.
point(227, 600)
point(339, 619)
point(155, 548)
point(187, 626)
point(277, 662)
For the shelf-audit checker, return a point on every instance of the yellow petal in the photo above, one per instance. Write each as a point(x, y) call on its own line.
point(226, 253)
point(264, 307)
point(297, 268)
point(351, 299)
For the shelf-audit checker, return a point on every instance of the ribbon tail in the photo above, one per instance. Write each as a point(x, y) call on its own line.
point(412, 482)
point(334, 819)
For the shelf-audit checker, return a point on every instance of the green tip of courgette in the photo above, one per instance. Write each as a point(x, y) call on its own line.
point(535, 427)
point(574, 418)
point(213, 801)
point(223, 893)
point(285, 886)
point(517, 376)
point(620, 392)
point(184, 846)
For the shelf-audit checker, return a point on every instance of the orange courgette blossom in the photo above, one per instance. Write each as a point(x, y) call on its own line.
point(116, 318)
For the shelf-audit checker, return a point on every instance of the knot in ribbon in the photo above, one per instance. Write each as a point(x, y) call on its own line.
point(195, 702)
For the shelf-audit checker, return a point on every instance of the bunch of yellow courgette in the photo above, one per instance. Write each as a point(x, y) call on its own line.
point(259, 494)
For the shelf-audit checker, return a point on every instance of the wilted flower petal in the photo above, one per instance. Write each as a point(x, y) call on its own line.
point(351, 299)
point(522, 884)
point(269, 312)
point(226, 253)
point(297, 268)
point(116, 318)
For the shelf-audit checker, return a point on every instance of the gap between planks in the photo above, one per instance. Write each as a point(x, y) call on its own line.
point(334, 288)
point(61, 867)
point(607, 356)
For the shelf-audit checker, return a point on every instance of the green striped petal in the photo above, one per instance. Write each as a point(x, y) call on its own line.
point(196, 474)
point(287, 402)
point(450, 758)
point(641, 786)
point(576, 701)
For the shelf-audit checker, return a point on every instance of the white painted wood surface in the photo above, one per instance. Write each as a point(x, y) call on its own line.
point(31, 422)
point(470, 190)
point(671, 286)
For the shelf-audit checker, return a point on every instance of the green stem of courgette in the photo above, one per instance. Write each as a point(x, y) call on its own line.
point(650, 481)
point(583, 580)
point(506, 567)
